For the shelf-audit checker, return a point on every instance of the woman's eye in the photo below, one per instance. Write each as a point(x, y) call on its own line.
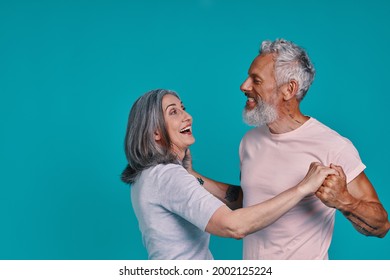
point(173, 112)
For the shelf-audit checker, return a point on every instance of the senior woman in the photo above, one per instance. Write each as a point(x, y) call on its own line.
point(176, 214)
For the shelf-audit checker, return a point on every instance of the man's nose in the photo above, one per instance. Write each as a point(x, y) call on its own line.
point(246, 85)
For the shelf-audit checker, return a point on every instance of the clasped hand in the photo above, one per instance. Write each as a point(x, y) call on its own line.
point(334, 188)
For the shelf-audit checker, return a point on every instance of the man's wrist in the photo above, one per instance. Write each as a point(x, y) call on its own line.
point(349, 206)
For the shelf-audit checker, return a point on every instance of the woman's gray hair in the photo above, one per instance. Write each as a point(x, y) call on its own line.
point(142, 151)
point(291, 63)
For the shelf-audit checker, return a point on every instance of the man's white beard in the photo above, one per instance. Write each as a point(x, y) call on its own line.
point(263, 113)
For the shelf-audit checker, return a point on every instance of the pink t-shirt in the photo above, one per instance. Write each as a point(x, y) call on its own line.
point(272, 163)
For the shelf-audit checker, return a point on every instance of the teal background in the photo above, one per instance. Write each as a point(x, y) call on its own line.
point(70, 71)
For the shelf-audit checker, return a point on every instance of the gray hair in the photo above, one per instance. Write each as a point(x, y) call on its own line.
point(291, 63)
point(142, 151)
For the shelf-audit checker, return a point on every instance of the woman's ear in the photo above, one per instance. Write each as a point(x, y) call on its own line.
point(157, 136)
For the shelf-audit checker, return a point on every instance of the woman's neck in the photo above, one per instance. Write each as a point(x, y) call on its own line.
point(178, 152)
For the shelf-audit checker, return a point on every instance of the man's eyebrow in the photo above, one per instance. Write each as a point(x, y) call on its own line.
point(256, 76)
point(253, 74)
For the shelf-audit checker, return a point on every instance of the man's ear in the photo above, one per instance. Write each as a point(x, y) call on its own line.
point(157, 136)
point(290, 89)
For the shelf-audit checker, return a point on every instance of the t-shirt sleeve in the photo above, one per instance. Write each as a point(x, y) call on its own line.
point(240, 150)
point(182, 194)
point(348, 158)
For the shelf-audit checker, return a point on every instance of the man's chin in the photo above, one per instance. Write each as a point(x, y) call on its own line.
point(249, 107)
point(250, 119)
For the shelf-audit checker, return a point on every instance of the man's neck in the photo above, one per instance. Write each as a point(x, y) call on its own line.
point(287, 122)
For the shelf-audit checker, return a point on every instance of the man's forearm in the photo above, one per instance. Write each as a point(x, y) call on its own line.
point(369, 218)
point(231, 195)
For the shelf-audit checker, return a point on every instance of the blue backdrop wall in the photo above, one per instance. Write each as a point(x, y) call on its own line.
point(70, 71)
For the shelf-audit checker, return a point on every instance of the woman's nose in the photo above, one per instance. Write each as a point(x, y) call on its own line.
point(187, 116)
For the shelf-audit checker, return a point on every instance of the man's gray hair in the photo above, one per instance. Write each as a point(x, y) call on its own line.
point(145, 119)
point(291, 63)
